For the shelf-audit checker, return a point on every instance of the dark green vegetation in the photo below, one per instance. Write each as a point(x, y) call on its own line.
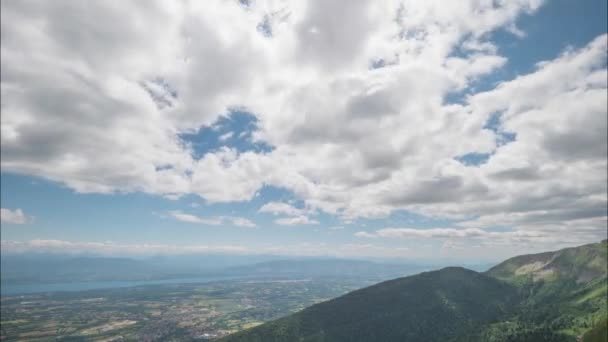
point(436, 305)
point(564, 294)
point(554, 296)
point(599, 333)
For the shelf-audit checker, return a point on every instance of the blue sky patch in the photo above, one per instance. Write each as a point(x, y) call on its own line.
point(233, 131)
point(502, 137)
point(474, 158)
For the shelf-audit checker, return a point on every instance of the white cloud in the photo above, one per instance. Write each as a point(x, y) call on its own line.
point(280, 208)
point(213, 221)
point(181, 216)
point(14, 216)
point(125, 106)
point(423, 233)
point(296, 220)
point(227, 176)
point(295, 216)
point(533, 238)
point(226, 136)
point(365, 235)
point(348, 139)
point(242, 222)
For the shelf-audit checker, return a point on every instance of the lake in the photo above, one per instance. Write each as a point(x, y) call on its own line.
point(19, 289)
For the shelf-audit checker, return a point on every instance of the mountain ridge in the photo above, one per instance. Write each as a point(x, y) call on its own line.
point(516, 300)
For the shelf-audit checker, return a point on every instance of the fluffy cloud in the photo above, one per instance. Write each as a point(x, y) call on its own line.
point(13, 216)
point(355, 109)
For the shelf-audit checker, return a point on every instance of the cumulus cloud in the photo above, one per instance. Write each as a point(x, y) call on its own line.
point(356, 110)
point(13, 216)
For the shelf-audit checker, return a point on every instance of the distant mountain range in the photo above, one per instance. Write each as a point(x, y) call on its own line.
point(328, 268)
point(553, 296)
point(36, 269)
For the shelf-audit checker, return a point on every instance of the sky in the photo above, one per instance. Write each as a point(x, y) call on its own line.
point(462, 130)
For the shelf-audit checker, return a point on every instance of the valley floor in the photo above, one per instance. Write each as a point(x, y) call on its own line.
point(181, 312)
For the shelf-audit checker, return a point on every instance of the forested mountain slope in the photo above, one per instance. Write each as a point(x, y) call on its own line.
point(554, 296)
point(431, 306)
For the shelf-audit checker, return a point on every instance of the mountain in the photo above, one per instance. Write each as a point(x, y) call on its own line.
point(431, 306)
point(328, 268)
point(43, 268)
point(554, 296)
point(565, 293)
point(31, 269)
point(579, 264)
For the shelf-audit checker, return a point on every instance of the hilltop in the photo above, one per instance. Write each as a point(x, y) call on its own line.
point(553, 296)
point(580, 264)
point(435, 305)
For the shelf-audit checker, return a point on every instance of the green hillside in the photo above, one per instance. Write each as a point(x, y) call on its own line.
point(580, 264)
point(554, 296)
point(564, 293)
point(599, 333)
point(431, 306)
